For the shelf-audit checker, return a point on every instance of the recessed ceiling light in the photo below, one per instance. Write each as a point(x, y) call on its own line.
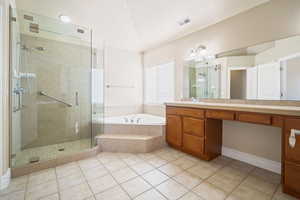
point(65, 18)
point(184, 21)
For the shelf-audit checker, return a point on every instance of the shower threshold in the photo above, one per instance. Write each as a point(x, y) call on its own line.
point(49, 152)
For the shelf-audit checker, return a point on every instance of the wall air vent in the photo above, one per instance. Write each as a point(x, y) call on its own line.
point(34, 28)
point(28, 17)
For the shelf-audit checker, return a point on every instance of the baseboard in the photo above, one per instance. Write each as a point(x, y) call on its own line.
point(5, 180)
point(252, 159)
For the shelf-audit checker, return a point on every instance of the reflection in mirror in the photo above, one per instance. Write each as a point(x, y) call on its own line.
point(204, 80)
point(238, 84)
point(268, 71)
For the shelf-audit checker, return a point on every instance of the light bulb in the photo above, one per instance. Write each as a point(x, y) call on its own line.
point(65, 18)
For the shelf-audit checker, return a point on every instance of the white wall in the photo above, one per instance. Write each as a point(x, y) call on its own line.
point(123, 72)
point(1, 86)
point(283, 48)
point(271, 21)
point(4, 67)
point(292, 83)
point(238, 84)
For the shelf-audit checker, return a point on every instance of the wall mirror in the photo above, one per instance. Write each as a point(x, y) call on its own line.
point(268, 71)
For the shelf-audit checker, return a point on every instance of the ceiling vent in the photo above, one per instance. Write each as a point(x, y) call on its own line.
point(184, 21)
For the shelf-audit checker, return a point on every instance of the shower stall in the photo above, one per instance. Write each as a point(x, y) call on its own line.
point(56, 86)
point(203, 79)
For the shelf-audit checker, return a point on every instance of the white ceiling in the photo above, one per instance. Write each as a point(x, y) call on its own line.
point(139, 24)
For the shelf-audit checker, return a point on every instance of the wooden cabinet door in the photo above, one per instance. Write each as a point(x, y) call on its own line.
point(292, 179)
point(292, 153)
point(174, 130)
point(292, 159)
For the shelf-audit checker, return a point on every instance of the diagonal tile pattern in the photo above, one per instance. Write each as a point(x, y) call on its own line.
point(165, 174)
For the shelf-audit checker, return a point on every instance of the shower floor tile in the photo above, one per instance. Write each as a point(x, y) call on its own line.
point(50, 152)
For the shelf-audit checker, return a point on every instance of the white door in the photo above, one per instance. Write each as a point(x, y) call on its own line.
point(252, 83)
point(269, 81)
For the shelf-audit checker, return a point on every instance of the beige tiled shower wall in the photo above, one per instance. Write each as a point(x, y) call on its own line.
point(61, 70)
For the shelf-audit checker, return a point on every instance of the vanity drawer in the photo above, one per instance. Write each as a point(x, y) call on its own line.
point(191, 112)
point(219, 114)
point(193, 126)
point(292, 153)
point(254, 118)
point(277, 121)
point(193, 144)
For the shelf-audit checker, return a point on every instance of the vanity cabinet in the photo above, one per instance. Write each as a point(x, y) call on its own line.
point(198, 131)
point(198, 136)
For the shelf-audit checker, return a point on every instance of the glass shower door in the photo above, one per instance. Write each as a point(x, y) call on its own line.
point(204, 80)
point(51, 89)
point(214, 76)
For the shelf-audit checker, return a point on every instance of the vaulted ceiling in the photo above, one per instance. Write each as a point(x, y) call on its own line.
point(139, 24)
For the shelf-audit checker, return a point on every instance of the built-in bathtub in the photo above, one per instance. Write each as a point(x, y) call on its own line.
point(138, 133)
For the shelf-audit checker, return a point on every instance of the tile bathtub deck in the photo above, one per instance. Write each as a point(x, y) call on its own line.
point(165, 174)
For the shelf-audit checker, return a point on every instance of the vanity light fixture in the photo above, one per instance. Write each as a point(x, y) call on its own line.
point(201, 49)
point(198, 53)
point(65, 19)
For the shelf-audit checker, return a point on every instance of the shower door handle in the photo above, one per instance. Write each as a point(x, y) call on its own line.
point(77, 99)
point(19, 92)
point(19, 106)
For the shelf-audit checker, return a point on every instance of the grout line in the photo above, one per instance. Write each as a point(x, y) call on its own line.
point(26, 186)
point(169, 177)
point(118, 184)
point(241, 182)
point(274, 193)
point(156, 168)
point(58, 189)
point(156, 154)
point(85, 179)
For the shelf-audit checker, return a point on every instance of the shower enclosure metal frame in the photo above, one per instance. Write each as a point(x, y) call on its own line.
point(91, 64)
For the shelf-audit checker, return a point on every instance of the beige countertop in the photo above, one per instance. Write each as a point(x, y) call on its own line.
point(270, 109)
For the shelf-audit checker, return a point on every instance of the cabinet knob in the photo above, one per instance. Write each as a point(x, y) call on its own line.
point(292, 138)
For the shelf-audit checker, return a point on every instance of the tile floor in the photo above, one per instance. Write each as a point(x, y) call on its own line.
point(165, 174)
